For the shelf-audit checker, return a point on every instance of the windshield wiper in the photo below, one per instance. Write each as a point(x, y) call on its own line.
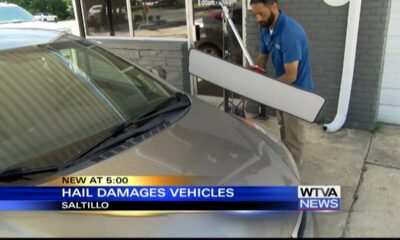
point(18, 173)
point(118, 135)
point(165, 106)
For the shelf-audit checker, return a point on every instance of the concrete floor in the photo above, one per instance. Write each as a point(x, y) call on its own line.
point(367, 167)
point(376, 210)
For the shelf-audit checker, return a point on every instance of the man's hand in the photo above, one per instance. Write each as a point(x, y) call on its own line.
point(261, 60)
point(258, 69)
point(290, 72)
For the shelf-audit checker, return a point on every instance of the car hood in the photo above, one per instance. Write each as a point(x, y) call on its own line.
point(205, 142)
point(37, 25)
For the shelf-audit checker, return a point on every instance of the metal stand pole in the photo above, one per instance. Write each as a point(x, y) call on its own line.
point(227, 19)
point(225, 55)
point(262, 115)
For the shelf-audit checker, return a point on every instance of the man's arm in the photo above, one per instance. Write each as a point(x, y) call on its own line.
point(261, 60)
point(290, 72)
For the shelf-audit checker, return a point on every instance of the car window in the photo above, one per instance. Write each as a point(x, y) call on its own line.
point(12, 14)
point(124, 84)
point(59, 98)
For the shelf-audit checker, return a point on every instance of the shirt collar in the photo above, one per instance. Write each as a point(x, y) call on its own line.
point(280, 23)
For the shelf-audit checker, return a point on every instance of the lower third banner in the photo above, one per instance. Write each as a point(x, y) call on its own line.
point(182, 198)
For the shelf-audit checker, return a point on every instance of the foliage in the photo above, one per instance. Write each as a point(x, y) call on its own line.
point(62, 8)
point(377, 128)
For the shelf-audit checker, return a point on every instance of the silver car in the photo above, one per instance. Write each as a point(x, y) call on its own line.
point(14, 16)
point(71, 108)
point(46, 17)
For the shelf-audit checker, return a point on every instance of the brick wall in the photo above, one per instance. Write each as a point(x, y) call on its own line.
point(326, 30)
point(172, 55)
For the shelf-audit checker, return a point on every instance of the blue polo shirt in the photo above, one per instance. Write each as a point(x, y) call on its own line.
point(288, 43)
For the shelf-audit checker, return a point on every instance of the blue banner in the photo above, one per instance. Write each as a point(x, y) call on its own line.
point(160, 198)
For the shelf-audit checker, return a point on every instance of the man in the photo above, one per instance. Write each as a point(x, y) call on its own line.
point(285, 40)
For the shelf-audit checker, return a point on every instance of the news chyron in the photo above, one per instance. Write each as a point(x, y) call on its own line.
point(164, 193)
point(319, 198)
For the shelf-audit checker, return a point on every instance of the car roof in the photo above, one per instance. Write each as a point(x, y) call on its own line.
point(3, 4)
point(11, 38)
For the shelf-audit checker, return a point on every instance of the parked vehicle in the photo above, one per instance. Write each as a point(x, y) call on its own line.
point(151, 3)
point(97, 15)
point(214, 2)
point(211, 34)
point(11, 13)
point(72, 105)
point(46, 17)
point(14, 16)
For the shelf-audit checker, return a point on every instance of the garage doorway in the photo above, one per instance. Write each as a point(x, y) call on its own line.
point(389, 103)
point(212, 39)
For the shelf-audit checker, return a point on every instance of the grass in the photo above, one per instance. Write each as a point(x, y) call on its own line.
point(378, 127)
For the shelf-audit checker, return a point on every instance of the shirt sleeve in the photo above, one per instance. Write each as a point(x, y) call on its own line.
point(291, 49)
point(263, 40)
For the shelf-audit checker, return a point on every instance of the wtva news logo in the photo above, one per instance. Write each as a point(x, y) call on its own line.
point(319, 198)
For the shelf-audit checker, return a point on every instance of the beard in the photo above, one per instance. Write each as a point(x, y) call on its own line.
point(269, 21)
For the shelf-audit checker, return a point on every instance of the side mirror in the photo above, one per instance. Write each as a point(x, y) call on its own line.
point(159, 71)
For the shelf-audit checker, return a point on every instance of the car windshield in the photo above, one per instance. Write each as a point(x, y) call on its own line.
point(14, 14)
point(59, 98)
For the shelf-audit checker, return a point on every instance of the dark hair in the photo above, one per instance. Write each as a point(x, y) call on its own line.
point(265, 2)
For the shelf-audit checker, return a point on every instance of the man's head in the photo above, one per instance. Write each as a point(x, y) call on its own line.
point(265, 11)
